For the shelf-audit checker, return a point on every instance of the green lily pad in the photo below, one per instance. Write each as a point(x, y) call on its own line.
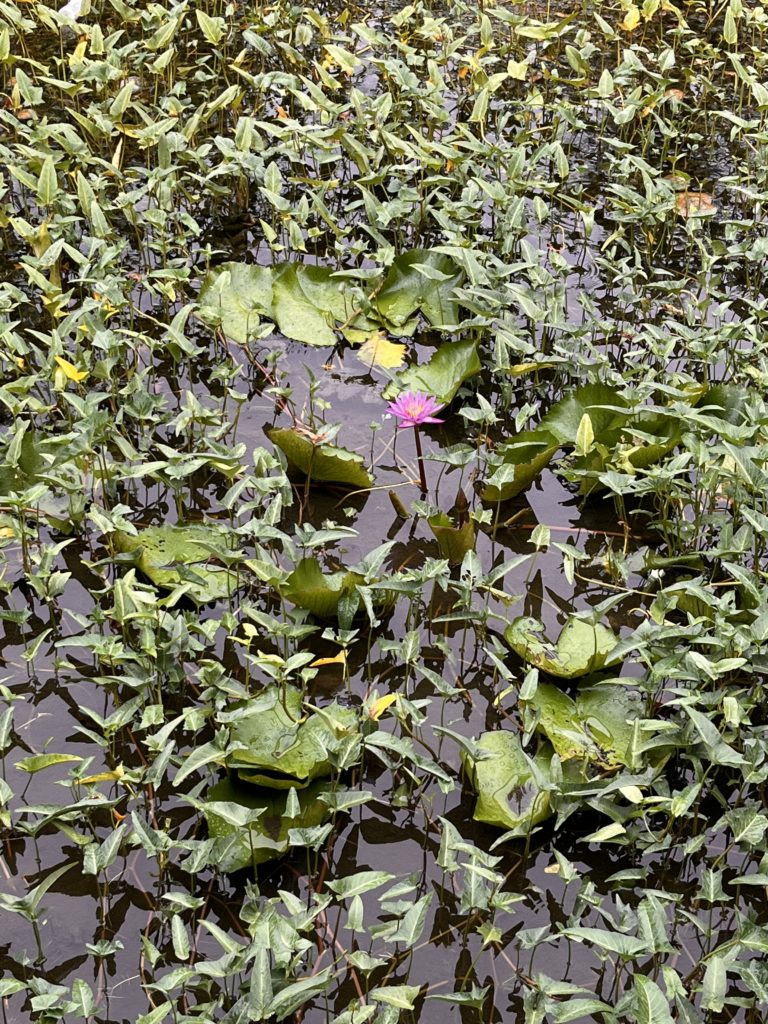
point(452, 364)
point(605, 407)
point(596, 726)
point(285, 747)
point(266, 836)
point(322, 463)
point(454, 541)
point(318, 592)
point(420, 280)
point(234, 297)
point(517, 463)
point(36, 455)
point(307, 303)
point(507, 793)
point(162, 553)
point(581, 647)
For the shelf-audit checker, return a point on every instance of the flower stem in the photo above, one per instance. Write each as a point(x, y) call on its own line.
point(420, 456)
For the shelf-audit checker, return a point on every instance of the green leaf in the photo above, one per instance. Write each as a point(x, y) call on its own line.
point(596, 726)
point(284, 747)
point(585, 435)
point(604, 406)
point(360, 882)
point(47, 184)
point(234, 297)
point(454, 541)
point(309, 587)
point(420, 280)
point(452, 364)
point(582, 647)
point(38, 762)
point(401, 996)
point(163, 553)
point(294, 995)
point(518, 462)
point(307, 303)
point(267, 837)
point(626, 946)
point(507, 792)
point(715, 985)
point(651, 1006)
point(322, 463)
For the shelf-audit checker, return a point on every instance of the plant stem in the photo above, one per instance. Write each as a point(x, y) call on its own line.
point(420, 457)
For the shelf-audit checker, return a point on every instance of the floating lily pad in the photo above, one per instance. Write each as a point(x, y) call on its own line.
point(35, 456)
point(596, 726)
point(507, 793)
point(266, 836)
point(582, 647)
point(452, 364)
point(163, 553)
point(318, 592)
point(420, 280)
point(607, 410)
point(282, 745)
point(322, 463)
point(518, 462)
point(234, 297)
point(307, 303)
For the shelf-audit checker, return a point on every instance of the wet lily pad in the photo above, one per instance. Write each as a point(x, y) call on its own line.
point(507, 793)
point(322, 463)
point(283, 746)
point(318, 592)
point(517, 463)
point(265, 834)
point(307, 303)
point(582, 647)
point(163, 553)
point(452, 364)
point(234, 297)
point(420, 280)
point(595, 726)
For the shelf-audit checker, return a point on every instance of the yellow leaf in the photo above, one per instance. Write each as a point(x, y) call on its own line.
point(377, 351)
point(379, 706)
point(338, 659)
point(518, 69)
point(114, 776)
point(78, 54)
point(631, 19)
point(70, 371)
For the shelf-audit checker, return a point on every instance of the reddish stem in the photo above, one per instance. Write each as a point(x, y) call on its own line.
point(420, 456)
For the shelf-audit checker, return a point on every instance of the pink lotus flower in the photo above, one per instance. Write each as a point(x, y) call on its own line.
point(413, 408)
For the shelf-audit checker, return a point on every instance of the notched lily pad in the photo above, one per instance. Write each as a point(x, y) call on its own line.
point(442, 376)
point(234, 297)
point(517, 463)
point(420, 280)
point(170, 556)
point(265, 835)
point(310, 588)
point(582, 647)
point(508, 795)
point(282, 746)
point(596, 726)
point(322, 463)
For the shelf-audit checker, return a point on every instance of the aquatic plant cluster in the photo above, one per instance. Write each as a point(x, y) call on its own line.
point(383, 523)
